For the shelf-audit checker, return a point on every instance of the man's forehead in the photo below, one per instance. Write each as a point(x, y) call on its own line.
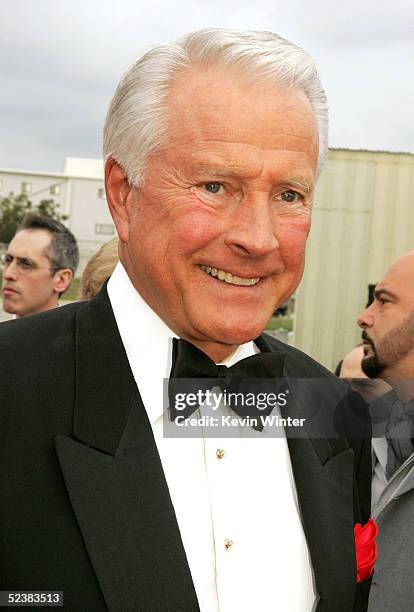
point(399, 280)
point(216, 105)
point(30, 243)
point(240, 160)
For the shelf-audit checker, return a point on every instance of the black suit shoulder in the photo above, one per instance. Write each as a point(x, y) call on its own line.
point(40, 541)
point(28, 332)
point(37, 355)
point(297, 363)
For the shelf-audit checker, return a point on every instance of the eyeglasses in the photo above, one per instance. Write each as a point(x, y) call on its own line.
point(23, 264)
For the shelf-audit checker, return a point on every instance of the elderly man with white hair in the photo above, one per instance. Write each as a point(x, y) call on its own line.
point(212, 147)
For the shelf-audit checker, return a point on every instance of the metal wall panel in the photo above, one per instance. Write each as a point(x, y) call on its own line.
point(363, 220)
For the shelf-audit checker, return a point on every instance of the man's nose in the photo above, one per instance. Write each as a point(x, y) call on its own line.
point(252, 228)
point(10, 272)
point(365, 319)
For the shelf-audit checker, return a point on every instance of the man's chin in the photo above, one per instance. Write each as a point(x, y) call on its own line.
point(10, 308)
point(371, 366)
point(239, 335)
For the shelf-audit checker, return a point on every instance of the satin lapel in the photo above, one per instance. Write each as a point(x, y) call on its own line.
point(114, 478)
point(324, 475)
point(401, 482)
point(325, 494)
point(325, 448)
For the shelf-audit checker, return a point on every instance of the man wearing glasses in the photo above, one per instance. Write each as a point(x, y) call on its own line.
point(38, 266)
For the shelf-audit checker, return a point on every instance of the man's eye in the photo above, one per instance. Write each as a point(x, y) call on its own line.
point(25, 264)
point(290, 196)
point(213, 187)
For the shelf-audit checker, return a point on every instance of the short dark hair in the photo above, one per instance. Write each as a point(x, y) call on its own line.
point(63, 251)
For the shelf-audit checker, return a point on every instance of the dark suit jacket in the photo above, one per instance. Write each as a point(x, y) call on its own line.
point(84, 505)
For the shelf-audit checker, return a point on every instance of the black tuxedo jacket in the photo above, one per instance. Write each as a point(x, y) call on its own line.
point(84, 504)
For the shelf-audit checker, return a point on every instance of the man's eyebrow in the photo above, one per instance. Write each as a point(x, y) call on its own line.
point(303, 184)
point(217, 171)
point(238, 171)
point(18, 256)
point(379, 293)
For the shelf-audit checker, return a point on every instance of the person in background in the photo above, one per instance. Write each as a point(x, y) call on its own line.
point(388, 335)
point(350, 368)
point(38, 266)
point(98, 269)
point(350, 365)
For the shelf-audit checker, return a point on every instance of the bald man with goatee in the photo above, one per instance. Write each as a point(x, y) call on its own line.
point(388, 334)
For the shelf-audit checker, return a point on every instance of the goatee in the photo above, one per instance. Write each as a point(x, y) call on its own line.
point(371, 365)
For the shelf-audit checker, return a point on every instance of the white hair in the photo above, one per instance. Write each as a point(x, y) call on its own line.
point(136, 124)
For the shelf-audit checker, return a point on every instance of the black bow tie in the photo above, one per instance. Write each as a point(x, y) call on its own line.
point(188, 362)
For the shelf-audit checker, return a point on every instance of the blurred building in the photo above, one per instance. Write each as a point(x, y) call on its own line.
point(362, 220)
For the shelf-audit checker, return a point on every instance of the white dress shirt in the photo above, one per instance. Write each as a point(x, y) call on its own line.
point(234, 498)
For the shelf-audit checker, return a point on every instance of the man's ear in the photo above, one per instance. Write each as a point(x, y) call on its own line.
point(118, 194)
point(62, 279)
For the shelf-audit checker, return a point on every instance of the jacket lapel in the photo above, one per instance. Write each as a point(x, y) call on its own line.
point(324, 475)
point(325, 494)
point(401, 482)
point(115, 481)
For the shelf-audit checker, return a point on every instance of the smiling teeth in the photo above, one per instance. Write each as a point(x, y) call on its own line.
point(229, 278)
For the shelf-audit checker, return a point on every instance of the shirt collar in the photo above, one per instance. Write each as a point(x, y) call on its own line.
point(148, 342)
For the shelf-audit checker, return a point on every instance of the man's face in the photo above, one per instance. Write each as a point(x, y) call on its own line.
point(34, 290)
point(388, 324)
point(217, 234)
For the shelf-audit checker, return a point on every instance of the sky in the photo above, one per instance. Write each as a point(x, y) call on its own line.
point(60, 62)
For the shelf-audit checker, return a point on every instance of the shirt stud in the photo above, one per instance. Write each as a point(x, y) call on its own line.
point(228, 544)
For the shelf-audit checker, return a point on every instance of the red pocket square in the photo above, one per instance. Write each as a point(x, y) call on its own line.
point(366, 548)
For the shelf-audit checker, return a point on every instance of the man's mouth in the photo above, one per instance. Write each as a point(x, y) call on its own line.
point(8, 291)
point(367, 340)
point(228, 277)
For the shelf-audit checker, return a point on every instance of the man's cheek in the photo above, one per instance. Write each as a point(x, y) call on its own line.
point(193, 233)
point(292, 249)
point(294, 228)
